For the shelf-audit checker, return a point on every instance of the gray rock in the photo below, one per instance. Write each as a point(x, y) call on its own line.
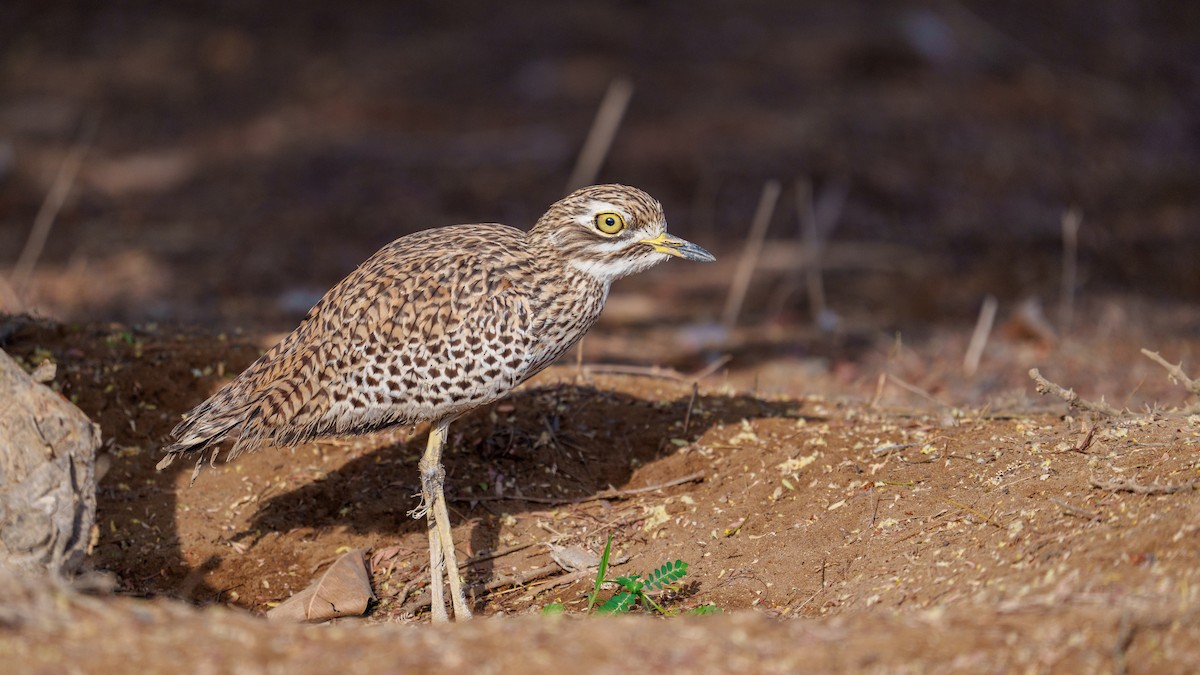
point(47, 476)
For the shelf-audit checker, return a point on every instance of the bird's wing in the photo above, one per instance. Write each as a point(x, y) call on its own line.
point(376, 350)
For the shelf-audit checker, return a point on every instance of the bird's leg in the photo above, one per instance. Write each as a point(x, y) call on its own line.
point(462, 611)
point(441, 539)
point(431, 482)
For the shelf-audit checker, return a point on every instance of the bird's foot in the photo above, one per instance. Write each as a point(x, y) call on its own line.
point(421, 509)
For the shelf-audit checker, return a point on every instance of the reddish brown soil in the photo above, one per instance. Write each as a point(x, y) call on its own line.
point(857, 501)
point(978, 521)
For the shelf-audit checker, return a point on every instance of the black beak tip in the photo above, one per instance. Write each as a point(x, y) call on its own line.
point(693, 252)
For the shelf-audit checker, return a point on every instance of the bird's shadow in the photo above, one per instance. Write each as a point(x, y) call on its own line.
point(553, 442)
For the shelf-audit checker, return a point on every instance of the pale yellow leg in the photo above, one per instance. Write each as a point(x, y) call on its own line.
point(437, 598)
point(442, 558)
point(461, 611)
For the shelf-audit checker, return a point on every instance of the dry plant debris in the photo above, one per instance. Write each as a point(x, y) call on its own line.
point(342, 590)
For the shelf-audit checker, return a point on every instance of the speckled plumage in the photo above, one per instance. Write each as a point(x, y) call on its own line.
point(437, 323)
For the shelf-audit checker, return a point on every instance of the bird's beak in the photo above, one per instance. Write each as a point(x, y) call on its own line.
point(672, 245)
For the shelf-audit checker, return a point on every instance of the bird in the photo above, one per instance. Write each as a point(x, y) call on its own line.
point(433, 325)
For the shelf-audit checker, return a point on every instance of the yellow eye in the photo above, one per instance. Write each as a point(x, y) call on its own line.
point(610, 222)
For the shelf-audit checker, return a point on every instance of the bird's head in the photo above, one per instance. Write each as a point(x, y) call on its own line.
point(610, 231)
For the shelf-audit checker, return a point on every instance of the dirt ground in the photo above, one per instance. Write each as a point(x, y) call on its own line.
point(851, 496)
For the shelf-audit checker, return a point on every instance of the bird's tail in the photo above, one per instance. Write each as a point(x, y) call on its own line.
point(260, 404)
point(233, 412)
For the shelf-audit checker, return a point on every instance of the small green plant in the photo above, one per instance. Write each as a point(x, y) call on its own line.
point(635, 590)
point(600, 572)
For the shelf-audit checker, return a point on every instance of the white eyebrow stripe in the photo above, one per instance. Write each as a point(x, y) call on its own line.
point(587, 218)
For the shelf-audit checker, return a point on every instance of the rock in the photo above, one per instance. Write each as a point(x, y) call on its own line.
point(47, 476)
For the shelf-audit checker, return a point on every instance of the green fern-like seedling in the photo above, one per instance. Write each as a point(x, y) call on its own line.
point(668, 574)
point(634, 588)
point(619, 604)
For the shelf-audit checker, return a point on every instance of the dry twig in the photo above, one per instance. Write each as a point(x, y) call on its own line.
point(687, 416)
point(603, 131)
point(750, 254)
point(1074, 400)
point(1071, 221)
point(1135, 487)
point(818, 217)
point(979, 337)
point(606, 494)
point(55, 198)
point(1076, 511)
point(656, 371)
point(914, 389)
point(975, 513)
point(1175, 371)
point(422, 601)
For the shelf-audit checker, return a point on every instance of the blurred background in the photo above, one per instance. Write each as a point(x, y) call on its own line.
point(222, 163)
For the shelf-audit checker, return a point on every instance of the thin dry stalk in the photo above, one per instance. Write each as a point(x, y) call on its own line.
point(879, 385)
point(657, 371)
point(687, 416)
point(1071, 221)
point(610, 494)
point(750, 254)
point(64, 180)
point(1074, 400)
point(818, 218)
point(813, 281)
point(603, 131)
point(979, 337)
point(1140, 489)
point(1076, 511)
point(914, 389)
point(1175, 371)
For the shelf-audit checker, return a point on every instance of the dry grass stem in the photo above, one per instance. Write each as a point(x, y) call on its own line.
point(813, 281)
point(818, 218)
point(609, 494)
point(1076, 511)
point(657, 371)
point(1135, 487)
point(914, 389)
point(603, 131)
point(979, 337)
point(1071, 221)
point(687, 416)
point(1074, 400)
point(975, 513)
point(64, 180)
point(750, 254)
point(484, 556)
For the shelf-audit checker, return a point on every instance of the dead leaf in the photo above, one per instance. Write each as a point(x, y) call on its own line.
point(342, 590)
point(382, 555)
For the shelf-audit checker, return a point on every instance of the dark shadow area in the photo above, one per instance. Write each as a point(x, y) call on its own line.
point(558, 442)
point(134, 383)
